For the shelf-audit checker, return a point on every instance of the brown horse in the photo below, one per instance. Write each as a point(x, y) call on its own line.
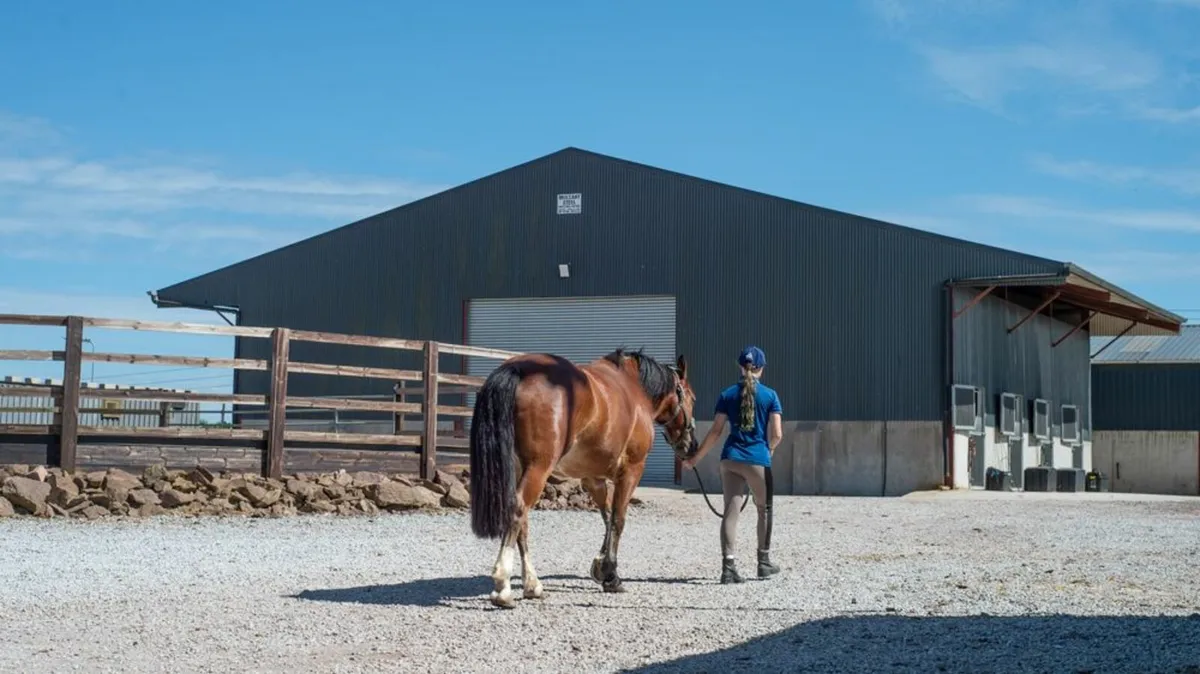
point(594, 422)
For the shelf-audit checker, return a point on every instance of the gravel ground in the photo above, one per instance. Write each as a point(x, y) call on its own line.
point(931, 582)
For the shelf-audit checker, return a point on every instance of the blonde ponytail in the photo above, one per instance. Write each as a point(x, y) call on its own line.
point(749, 397)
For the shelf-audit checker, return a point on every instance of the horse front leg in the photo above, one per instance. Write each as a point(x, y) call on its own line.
point(626, 482)
point(598, 488)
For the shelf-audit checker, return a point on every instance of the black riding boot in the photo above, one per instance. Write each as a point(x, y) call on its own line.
point(729, 572)
point(765, 567)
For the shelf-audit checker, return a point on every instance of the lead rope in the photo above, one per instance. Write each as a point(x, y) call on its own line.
point(703, 491)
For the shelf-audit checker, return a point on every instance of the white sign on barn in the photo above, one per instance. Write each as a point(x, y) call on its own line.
point(570, 204)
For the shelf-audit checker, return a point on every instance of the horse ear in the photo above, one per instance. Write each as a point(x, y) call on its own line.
point(681, 364)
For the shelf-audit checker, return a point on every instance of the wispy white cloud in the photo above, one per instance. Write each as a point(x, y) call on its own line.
point(1116, 243)
point(1144, 265)
point(1185, 181)
point(47, 194)
point(987, 76)
point(908, 14)
point(19, 130)
point(1054, 212)
point(1166, 114)
point(1077, 59)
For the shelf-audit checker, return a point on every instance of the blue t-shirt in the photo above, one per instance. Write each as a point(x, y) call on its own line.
point(748, 446)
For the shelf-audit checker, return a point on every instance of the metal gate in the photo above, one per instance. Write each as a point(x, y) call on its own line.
point(580, 329)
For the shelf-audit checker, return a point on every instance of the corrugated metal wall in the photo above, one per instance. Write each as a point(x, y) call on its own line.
point(1158, 397)
point(849, 310)
point(19, 409)
point(1023, 362)
point(579, 329)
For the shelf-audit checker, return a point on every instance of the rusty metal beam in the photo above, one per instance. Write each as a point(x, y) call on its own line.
point(1109, 343)
point(1075, 329)
point(1035, 312)
point(974, 300)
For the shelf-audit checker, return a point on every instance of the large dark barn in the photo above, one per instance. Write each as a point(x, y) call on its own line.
point(867, 325)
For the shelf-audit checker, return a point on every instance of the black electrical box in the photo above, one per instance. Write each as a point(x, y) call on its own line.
point(1070, 479)
point(1040, 478)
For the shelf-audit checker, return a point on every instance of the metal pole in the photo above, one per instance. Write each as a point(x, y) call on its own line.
point(92, 373)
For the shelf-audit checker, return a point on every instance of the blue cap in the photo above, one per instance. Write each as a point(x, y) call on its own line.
point(752, 357)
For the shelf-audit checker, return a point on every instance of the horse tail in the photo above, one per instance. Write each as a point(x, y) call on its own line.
point(493, 454)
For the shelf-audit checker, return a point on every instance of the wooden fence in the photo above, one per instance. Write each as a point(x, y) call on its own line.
point(275, 436)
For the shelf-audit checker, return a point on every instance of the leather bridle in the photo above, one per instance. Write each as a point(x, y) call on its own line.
point(677, 410)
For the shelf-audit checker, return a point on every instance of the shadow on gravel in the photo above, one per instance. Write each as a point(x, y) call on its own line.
point(665, 581)
point(425, 592)
point(437, 591)
point(1055, 643)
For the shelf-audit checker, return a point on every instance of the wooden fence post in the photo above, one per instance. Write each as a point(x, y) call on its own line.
point(430, 412)
point(277, 400)
point(72, 369)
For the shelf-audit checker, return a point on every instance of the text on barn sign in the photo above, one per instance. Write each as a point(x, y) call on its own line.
point(570, 204)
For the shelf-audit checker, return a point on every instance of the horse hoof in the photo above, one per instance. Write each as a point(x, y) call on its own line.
point(615, 586)
point(597, 572)
point(503, 599)
point(535, 592)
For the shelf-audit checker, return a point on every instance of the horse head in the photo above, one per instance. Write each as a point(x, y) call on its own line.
point(678, 420)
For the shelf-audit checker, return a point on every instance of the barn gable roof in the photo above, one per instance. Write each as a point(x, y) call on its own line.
point(200, 292)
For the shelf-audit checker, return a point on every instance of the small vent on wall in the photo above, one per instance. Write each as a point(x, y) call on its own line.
point(1070, 424)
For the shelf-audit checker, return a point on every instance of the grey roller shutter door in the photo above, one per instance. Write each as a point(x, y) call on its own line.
point(580, 329)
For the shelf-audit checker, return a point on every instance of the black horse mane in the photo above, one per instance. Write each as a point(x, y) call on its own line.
point(658, 380)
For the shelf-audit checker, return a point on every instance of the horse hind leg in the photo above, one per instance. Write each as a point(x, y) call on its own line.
point(530, 490)
point(502, 571)
point(529, 580)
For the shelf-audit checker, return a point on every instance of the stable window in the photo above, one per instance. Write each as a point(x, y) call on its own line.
point(1070, 424)
point(967, 408)
point(1041, 419)
point(1008, 414)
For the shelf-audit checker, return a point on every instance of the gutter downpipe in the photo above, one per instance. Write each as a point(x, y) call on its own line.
point(947, 385)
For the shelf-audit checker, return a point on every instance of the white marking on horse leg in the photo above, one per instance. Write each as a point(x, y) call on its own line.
point(533, 586)
point(502, 595)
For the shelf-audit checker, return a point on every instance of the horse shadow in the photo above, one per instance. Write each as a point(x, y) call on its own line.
point(422, 592)
point(430, 592)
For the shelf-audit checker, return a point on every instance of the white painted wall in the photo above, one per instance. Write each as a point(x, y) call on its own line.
point(998, 454)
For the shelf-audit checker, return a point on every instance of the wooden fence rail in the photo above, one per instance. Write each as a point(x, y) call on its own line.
point(276, 401)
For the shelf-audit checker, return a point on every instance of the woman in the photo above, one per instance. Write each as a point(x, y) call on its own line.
point(746, 457)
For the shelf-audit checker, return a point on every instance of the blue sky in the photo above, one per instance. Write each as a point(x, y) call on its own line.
point(142, 143)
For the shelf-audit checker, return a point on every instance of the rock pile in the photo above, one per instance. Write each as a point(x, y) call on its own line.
point(52, 492)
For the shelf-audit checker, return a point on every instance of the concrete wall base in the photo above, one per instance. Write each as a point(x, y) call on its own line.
point(1149, 462)
point(843, 458)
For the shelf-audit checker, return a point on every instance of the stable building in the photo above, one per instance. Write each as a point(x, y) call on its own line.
point(981, 360)
point(1146, 404)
